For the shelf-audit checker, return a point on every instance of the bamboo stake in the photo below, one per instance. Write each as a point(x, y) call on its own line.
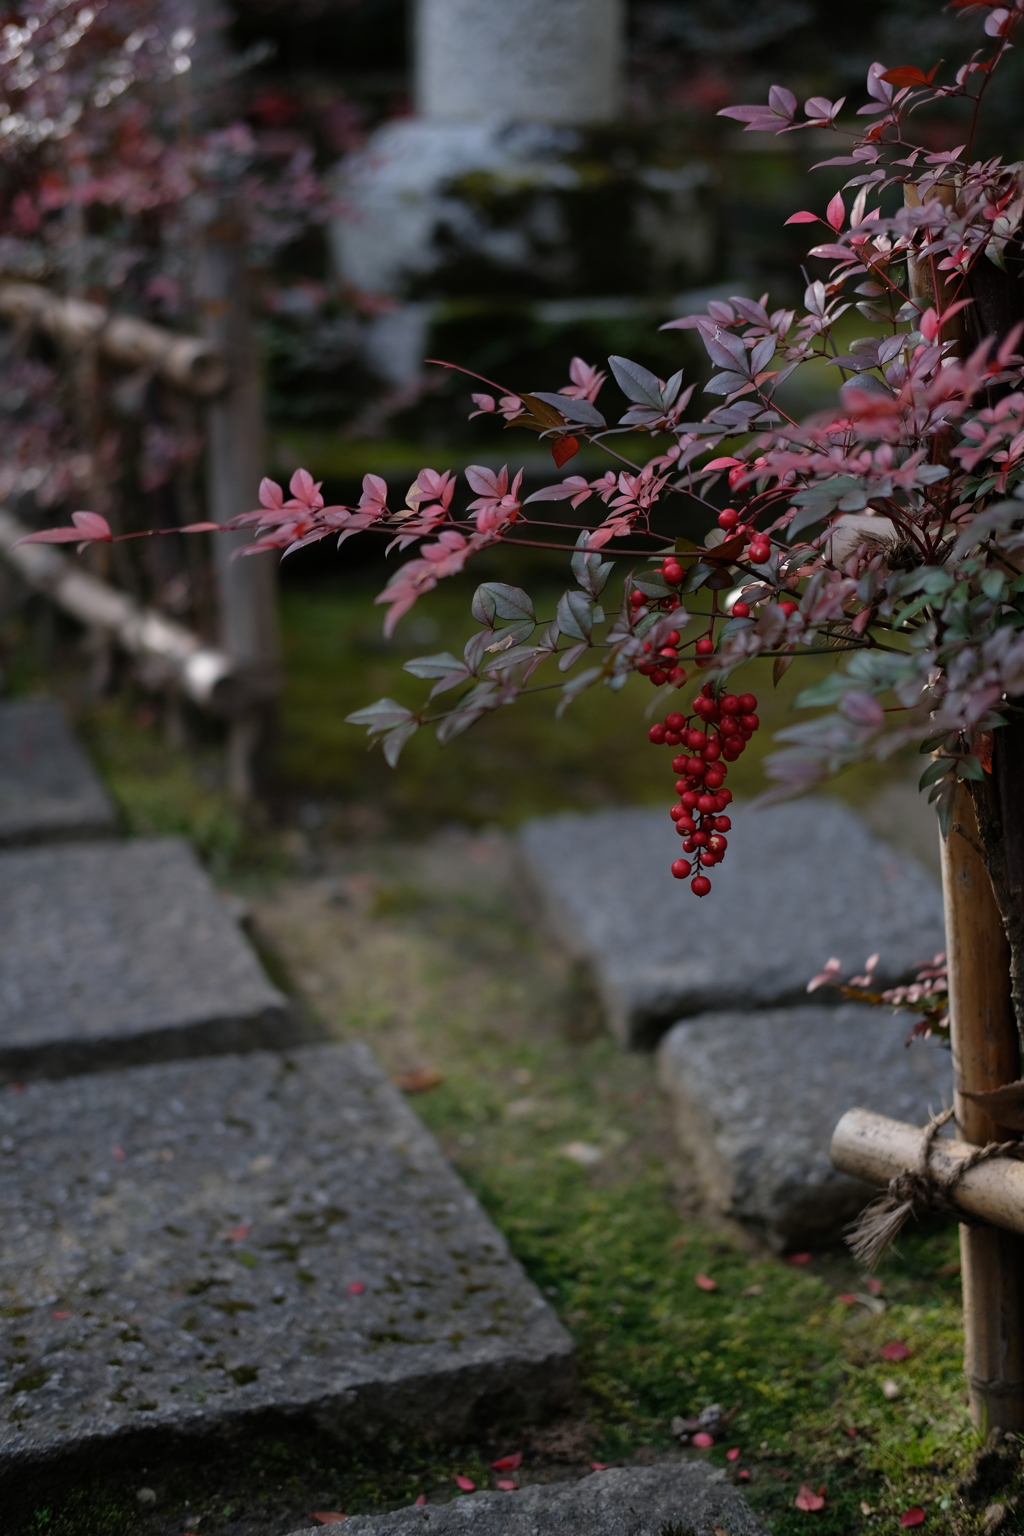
point(986, 1055)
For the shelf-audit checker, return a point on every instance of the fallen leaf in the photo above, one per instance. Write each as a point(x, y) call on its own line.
point(63, 1315)
point(705, 1282)
point(734, 1454)
point(562, 449)
point(702, 1438)
point(719, 1530)
point(875, 1287)
point(808, 1500)
point(465, 1483)
point(800, 1258)
point(418, 1082)
point(896, 1350)
point(508, 1463)
point(599, 1466)
point(327, 1516)
point(847, 1298)
point(505, 1484)
point(356, 1288)
point(754, 1290)
point(117, 1153)
point(237, 1234)
point(743, 1475)
point(420, 1499)
point(851, 1433)
point(914, 1516)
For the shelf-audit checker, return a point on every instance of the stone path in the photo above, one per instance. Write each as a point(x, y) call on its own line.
point(672, 1497)
point(120, 952)
point(756, 1097)
point(195, 1243)
point(801, 882)
point(47, 786)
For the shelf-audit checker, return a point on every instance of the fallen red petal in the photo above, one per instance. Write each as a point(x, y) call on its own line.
point(808, 1500)
point(506, 1484)
point(800, 1258)
point(875, 1287)
point(847, 1298)
point(508, 1463)
point(705, 1282)
point(913, 1516)
point(465, 1483)
point(238, 1233)
point(743, 1475)
point(599, 1466)
point(420, 1498)
point(118, 1153)
point(327, 1516)
point(702, 1439)
point(356, 1288)
point(896, 1350)
point(734, 1454)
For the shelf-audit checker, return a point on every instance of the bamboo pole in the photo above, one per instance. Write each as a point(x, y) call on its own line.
point(986, 1054)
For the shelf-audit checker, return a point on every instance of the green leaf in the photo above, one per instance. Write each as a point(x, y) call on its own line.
point(396, 739)
point(936, 770)
point(970, 768)
point(575, 615)
point(496, 600)
point(434, 666)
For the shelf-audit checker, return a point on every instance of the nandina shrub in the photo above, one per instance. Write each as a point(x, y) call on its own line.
point(886, 530)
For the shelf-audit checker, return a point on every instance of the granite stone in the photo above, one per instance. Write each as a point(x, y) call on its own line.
point(801, 882)
point(622, 1501)
point(195, 1245)
point(756, 1097)
point(122, 952)
point(48, 789)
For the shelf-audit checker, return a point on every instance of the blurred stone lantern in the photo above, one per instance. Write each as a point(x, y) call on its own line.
point(517, 190)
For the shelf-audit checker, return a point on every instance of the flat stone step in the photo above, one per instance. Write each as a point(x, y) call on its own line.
point(671, 1497)
point(800, 883)
point(756, 1097)
point(193, 1244)
point(116, 953)
point(48, 789)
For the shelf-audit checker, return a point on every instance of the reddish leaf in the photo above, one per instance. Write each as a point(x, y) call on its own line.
point(356, 1288)
point(598, 1466)
point(563, 449)
point(913, 1516)
point(808, 1500)
point(803, 217)
point(800, 1258)
point(835, 213)
point(847, 1298)
point(743, 1475)
point(420, 1499)
point(703, 1439)
point(897, 1350)
point(465, 1483)
point(705, 1282)
point(909, 74)
point(734, 1454)
point(327, 1516)
point(875, 1287)
point(63, 1315)
point(418, 1082)
point(238, 1233)
point(508, 1463)
point(505, 1484)
point(200, 528)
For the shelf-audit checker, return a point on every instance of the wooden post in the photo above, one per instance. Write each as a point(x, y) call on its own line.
point(986, 1054)
point(235, 457)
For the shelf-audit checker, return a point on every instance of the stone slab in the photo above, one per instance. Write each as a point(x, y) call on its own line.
point(192, 1245)
point(756, 1097)
point(48, 789)
point(623, 1501)
point(115, 953)
point(800, 882)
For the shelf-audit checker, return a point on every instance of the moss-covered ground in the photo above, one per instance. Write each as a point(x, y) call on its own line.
point(392, 906)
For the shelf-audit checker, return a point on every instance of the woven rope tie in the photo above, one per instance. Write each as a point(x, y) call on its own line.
point(918, 1192)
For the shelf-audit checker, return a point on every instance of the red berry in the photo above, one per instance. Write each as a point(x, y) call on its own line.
point(700, 885)
point(731, 753)
point(637, 599)
point(694, 767)
point(729, 705)
point(741, 610)
point(700, 839)
point(728, 518)
point(747, 703)
point(695, 739)
point(706, 803)
point(688, 799)
point(717, 843)
point(686, 826)
point(760, 549)
point(677, 676)
point(722, 823)
point(711, 750)
point(681, 868)
point(673, 637)
point(656, 734)
point(658, 677)
point(646, 669)
point(676, 812)
point(749, 722)
point(672, 572)
point(709, 858)
point(688, 845)
point(672, 738)
point(679, 764)
point(715, 776)
point(705, 646)
point(789, 607)
point(724, 798)
point(728, 726)
point(675, 721)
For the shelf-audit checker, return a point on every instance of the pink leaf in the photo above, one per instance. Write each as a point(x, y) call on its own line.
point(800, 1258)
point(705, 1282)
point(508, 1463)
point(237, 1233)
point(465, 1483)
point(200, 528)
point(702, 1438)
point(327, 1516)
point(847, 1298)
point(803, 217)
point(897, 1350)
point(505, 1484)
point(808, 1500)
point(914, 1516)
point(63, 1315)
point(420, 1500)
point(733, 1454)
point(598, 1466)
point(356, 1288)
point(875, 1287)
point(835, 213)
point(90, 528)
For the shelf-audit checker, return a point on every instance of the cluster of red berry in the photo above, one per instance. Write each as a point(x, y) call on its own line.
point(715, 734)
